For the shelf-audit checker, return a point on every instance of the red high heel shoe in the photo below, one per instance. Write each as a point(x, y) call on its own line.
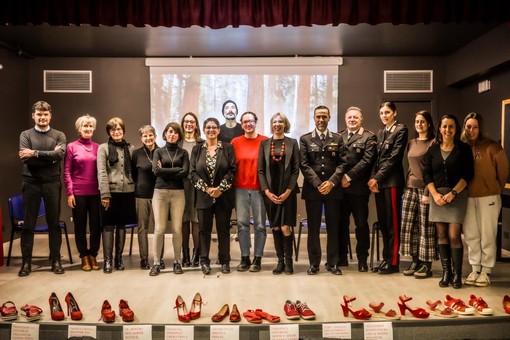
point(56, 311)
point(196, 307)
point(506, 304)
point(72, 307)
point(182, 311)
point(107, 314)
point(360, 314)
point(9, 311)
point(417, 312)
point(127, 314)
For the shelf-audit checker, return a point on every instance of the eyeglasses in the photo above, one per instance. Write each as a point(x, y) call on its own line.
point(189, 122)
point(251, 121)
point(211, 127)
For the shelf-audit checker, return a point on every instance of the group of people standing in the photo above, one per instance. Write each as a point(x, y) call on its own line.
point(453, 180)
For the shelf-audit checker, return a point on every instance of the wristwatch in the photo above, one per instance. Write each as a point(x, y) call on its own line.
point(454, 192)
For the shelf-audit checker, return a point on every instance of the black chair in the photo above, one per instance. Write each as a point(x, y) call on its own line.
point(375, 240)
point(303, 223)
point(132, 227)
point(17, 216)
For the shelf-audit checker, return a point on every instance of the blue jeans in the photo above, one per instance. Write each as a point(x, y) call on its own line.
point(249, 203)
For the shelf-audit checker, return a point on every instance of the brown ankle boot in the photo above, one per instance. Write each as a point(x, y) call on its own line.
point(93, 262)
point(85, 264)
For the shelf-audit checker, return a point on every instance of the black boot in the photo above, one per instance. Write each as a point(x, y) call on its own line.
point(457, 257)
point(120, 239)
point(195, 257)
point(287, 246)
point(278, 246)
point(107, 251)
point(186, 262)
point(444, 252)
point(244, 265)
point(256, 265)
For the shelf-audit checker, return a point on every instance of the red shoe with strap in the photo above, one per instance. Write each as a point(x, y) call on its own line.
point(458, 305)
point(480, 305)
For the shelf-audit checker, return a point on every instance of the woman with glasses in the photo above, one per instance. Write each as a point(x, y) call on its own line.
point(278, 168)
point(213, 168)
point(117, 190)
point(189, 125)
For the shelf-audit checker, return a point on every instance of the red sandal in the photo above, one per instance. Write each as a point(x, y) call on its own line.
point(267, 316)
point(8, 311)
point(252, 316)
point(31, 313)
point(379, 313)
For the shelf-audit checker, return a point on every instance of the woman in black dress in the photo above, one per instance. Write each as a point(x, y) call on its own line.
point(278, 168)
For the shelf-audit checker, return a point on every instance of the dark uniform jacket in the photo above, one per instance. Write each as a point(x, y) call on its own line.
point(388, 169)
point(321, 161)
point(360, 153)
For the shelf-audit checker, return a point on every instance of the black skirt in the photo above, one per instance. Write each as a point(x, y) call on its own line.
point(122, 210)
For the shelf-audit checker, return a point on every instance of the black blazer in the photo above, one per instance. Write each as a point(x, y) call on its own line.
point(291, 165)
point(388, 169)
point(320, 162)
point(225, 170)
point(360, 154)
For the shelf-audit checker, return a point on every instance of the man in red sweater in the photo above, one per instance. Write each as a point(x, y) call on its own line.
point(248, 195)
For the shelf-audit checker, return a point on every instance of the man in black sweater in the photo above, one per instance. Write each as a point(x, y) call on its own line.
point(41, 149)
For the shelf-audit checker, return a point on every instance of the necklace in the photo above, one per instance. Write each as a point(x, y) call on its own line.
point(146, 154)
point(172, 159)
point(88, 150)
point(277, 158)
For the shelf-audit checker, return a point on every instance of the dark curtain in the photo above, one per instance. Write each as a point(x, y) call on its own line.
point(223, 13)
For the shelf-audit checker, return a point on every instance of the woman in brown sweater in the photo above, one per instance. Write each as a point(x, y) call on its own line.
point(484, 200)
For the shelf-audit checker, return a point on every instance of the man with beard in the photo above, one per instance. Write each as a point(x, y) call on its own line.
point(231, 128)
point(41, 149)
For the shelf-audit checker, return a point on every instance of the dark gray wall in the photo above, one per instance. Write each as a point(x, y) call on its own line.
point(14, 99)
point(121, 88)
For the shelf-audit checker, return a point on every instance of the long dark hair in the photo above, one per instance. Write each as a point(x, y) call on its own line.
point(456, 137)
point(428, 118)
point(196, 133)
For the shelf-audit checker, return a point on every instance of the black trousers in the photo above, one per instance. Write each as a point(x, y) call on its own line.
point(32, 194)
point(205, 220)
point(87, 207)
point(357, 206)
point(332, 219)
point(389, 207)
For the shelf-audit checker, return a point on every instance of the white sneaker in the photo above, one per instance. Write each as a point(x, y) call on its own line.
point(483, 280)
point(471, 279)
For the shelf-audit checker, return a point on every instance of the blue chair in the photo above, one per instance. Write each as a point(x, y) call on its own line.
point(17, 215)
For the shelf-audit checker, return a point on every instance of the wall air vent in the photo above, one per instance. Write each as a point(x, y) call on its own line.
point(408, 81)
point(67, 81)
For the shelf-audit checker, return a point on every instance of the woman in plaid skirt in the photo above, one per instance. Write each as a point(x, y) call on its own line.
point(417, 233)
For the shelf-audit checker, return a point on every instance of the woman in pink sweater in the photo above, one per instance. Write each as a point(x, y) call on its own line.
point(80, 179)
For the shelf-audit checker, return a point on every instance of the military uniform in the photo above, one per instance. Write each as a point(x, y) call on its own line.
point(322, 160)
point(388, 170)
point(360, 153)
